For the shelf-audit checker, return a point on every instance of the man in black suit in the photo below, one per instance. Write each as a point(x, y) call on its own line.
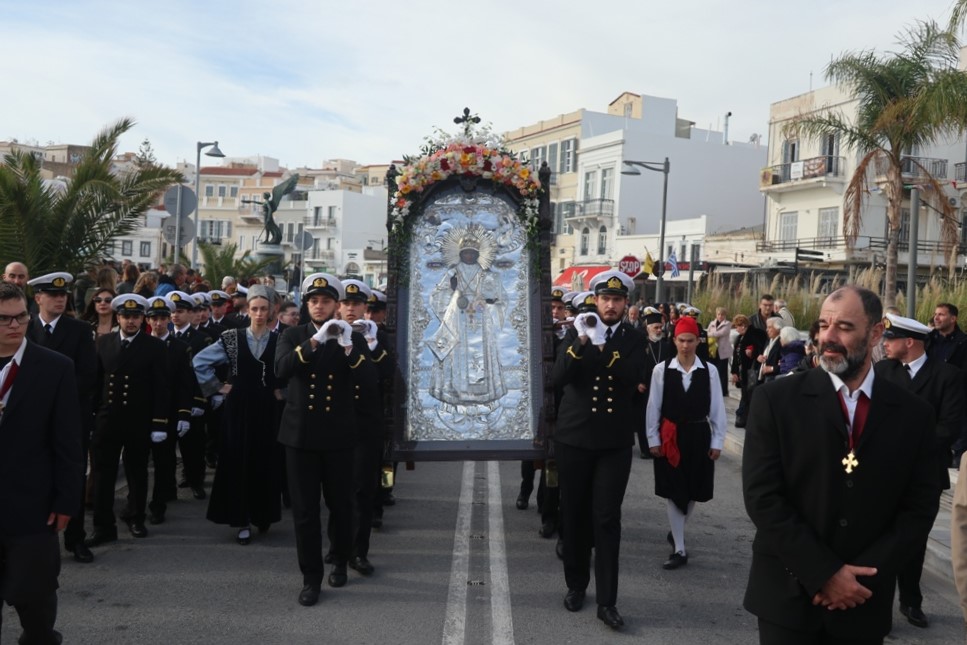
point(941, 385)
point(948, 343)
point(599, 365)
point(327, 367)
point(192, 443)
point(40, 466)
point(220, 300)
point(50, 328)
point(840, 479)
point(132, 403)
point(745, 363)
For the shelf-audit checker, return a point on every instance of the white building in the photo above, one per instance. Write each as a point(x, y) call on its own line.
point(347, 228)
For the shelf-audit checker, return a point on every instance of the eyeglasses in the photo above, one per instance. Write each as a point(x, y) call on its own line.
point(106, 300)
point(7, 321)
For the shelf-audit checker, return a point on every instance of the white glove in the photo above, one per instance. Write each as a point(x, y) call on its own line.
point(183, 427)
point(217, 400)
point(580, 325)
point(346, 337)
point(325, 332)
point(371, 330)
point(158, 437)
point(596, 334)
point(197, 412)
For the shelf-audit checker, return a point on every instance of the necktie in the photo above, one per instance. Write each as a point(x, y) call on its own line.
point(125, 343)
point(859, 416)
point(49, 330)
point(179, 334)
point(607, 335)
point(909, 371)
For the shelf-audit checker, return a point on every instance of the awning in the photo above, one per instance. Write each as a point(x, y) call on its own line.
point(578, 278)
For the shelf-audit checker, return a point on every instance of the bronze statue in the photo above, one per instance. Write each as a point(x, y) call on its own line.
point(270, 203)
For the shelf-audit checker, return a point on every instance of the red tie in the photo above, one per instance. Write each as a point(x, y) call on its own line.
point(859, 416)
point(8, 382)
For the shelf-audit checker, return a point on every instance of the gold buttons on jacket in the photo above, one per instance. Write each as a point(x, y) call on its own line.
point(312, 376)
point(331, 377)
point(594, 398)
point(327, 408)
point(312, 396)
point(312, 387)
point(594, 409)
point(610, 410)
point(310, 408)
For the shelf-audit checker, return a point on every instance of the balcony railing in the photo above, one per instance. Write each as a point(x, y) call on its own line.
point(322, 222)
point(915, 167)
point(812, 168)
point(862, 243)
point(591, 208)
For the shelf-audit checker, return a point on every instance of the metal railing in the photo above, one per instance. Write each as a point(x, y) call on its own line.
point(812, 168)
point(915, 167)
point(862, 243)
point(596, 208)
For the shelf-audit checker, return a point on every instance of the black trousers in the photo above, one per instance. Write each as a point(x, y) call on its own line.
point(367, 466)
point(29, 567)
point(908, 576)
point(333, 470)
point(165, 487)
point(192, 447)
point(722, 367)
point(592, 486)
point(551, 504)
point(74, 534)
point(527, 470)
point(772, 634)
point(107, 456)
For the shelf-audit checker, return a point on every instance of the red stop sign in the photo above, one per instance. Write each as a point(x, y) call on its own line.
point(630, 265)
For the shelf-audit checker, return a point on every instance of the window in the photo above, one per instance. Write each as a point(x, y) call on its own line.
point(289, 232)
point(316, 215)
point(602, 240)
point(788, 225)
point(233, 191)
point(627, 110)
point(329, 242)
point(146, 249)
point(607, 183)
point(568, 156)
point(904, 232)
point(221, 190)
point(537, 157)
point(696, 253)
point(565, 210)
point(552, 157)
point(127, 247)
point(332, 213)
point(828, 223)
point(590, 178)
point(585, 240)
point(209, 190)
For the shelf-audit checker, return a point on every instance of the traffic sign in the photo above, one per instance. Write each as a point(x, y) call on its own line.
point(170, 229)
point(630, 265)
point(183, 206)
point(303, 240)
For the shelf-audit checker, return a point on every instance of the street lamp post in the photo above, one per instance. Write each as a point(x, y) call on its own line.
point(214, 152)
point(631, 168)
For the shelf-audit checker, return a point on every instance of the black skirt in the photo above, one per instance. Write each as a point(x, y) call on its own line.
point(692, 480)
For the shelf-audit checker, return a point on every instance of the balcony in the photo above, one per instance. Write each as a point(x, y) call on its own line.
point(863, 243)
point(915, 167)
point(211, 201)
point(324, 256)
point(590, 211)
point(320, 222)
point(805, 173)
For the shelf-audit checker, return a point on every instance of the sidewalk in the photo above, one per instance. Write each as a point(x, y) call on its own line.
point(937, 559)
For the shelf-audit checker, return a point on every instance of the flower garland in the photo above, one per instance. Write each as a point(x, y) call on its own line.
point(466, 159)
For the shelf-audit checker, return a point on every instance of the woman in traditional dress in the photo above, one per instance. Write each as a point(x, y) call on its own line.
point(686, 432)
point(246, 489)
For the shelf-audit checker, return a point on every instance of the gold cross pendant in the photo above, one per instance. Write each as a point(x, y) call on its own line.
point(850, 462)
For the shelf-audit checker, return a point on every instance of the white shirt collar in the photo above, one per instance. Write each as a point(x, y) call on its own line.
point(132, 337)
point(697, 365)
point(915, 365)
point(866, 386)
point(52, 323)
point(182, 330)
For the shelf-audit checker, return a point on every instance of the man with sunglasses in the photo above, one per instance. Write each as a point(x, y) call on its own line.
point(132, 402)
point(50, 328)
point(40, 467)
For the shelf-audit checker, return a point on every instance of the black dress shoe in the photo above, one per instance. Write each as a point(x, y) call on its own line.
point(101, 536)
point(362, 565)
point(138, 530)
point(522, 502)
point(547, 529)
point(574, 600)
point(610, 617)
point(559, 548)
point(198, 492)
point(244, 536)
point(156, 518)
point(915, 615)
point(675, 560)
point(82, 554)
point(58, 638)
point(309, 595)
point(338, 576)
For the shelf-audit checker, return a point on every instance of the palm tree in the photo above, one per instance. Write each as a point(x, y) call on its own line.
point(220, 261)
point(906, 100)
point(70, 225)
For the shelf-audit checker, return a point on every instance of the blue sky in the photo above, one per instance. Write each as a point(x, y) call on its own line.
point(305, 81)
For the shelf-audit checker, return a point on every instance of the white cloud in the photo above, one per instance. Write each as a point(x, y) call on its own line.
point(305, 81)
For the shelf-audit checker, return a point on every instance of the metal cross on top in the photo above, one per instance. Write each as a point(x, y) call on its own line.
point(467, 121)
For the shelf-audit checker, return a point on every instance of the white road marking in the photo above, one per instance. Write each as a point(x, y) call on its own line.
point(455, 619)
point(501, 615)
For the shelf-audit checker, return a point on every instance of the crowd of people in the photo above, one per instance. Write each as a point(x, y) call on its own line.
point(849, 433)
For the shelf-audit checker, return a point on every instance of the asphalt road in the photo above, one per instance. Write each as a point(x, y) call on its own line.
point(446, 572)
